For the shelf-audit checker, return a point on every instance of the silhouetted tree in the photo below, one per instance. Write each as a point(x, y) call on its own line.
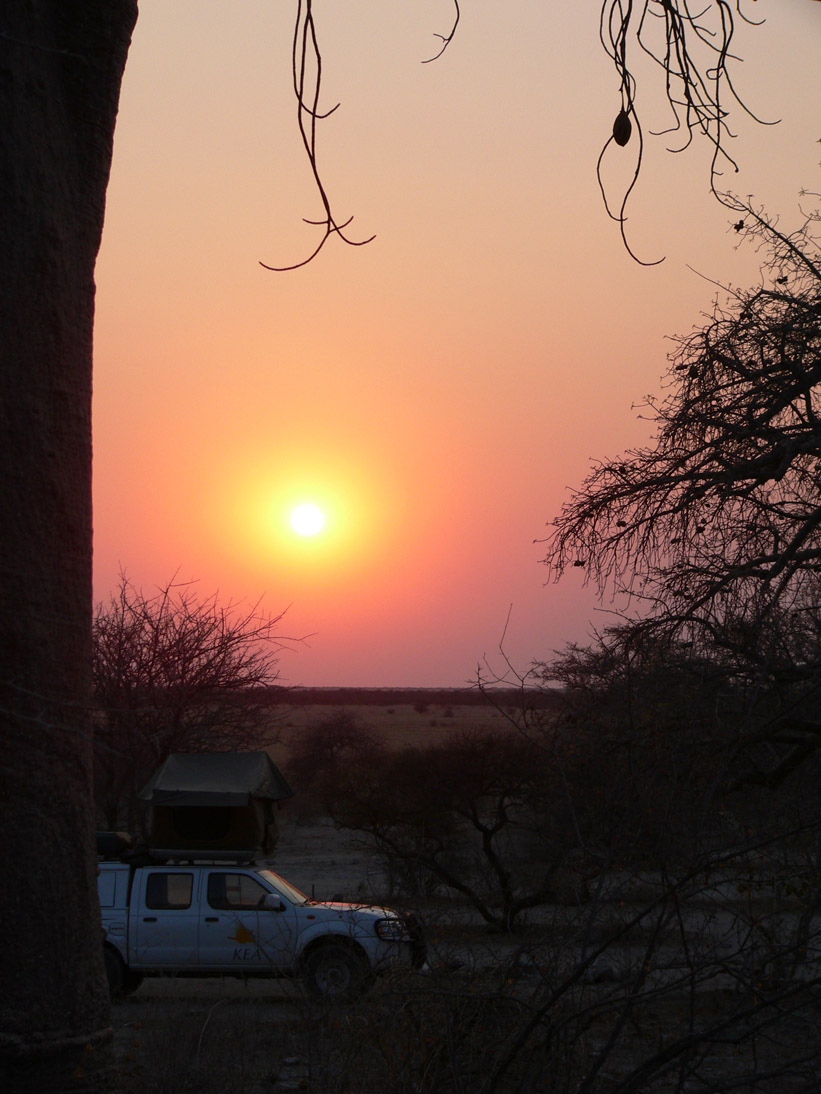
point(714, 530)
point(481, 813)
point(175, 673)
point(635, 726)
point(321, 752)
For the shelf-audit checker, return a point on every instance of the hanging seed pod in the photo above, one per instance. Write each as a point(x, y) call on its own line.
point(622, 128)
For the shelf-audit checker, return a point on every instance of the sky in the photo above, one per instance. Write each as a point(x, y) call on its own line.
point(438, 392)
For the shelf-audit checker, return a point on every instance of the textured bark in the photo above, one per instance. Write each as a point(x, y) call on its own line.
point(61, 64)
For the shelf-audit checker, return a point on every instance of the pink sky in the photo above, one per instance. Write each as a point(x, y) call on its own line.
point(436, 392)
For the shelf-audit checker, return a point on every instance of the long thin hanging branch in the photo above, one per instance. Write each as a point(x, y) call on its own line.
point(307, 76)
point(695, 85)
point(446, 39)
point(615, 25)
point(691, 47)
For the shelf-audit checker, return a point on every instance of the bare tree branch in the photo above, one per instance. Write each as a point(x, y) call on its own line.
point(724, 507)
point(176, 673)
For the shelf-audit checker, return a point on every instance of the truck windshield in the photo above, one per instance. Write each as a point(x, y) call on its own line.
point(285, 887)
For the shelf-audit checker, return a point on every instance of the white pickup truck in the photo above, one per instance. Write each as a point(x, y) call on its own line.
point(225, 919)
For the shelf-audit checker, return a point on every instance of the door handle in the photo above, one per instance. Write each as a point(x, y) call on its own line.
point(149, 919)
point(212, 919)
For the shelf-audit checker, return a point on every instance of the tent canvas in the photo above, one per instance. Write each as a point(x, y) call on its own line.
point(215, 803)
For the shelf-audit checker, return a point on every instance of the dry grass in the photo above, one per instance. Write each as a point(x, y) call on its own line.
point(210, 1036)
point(465, 1031)
point(397, 726)
point(411, 1034)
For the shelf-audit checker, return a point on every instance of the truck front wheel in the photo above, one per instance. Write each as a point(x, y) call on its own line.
point(334, 971)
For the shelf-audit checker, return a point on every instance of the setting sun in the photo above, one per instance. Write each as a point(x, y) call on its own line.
point(307, 520)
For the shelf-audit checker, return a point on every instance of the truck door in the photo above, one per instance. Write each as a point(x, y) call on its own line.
point(236, 931)
point(165, 922)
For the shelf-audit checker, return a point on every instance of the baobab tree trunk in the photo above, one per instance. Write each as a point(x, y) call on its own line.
point(61, 64)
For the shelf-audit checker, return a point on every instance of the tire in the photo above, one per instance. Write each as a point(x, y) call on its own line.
point(115, 973)
point(334, 971)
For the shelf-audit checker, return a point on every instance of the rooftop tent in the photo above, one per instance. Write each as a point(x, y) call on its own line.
point(216, 804)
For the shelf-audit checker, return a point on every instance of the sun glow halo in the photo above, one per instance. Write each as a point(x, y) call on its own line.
point(307, 519)
point(310, 519)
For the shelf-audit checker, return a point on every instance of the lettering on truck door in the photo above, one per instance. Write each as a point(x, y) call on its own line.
point(166, 923)
point(236, 930)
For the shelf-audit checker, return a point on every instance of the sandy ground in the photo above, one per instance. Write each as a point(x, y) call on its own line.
point(220, 1033)
point(228, 1035)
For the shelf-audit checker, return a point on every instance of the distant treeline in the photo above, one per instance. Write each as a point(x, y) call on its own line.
point(390, 697)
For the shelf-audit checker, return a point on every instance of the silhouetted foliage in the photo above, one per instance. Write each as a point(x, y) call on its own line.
point(480, 813)
point(714, 531)
point(334, 744)
point(175, 673)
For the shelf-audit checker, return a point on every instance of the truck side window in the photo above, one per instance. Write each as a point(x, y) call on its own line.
point(168, 891)
point(232, 891)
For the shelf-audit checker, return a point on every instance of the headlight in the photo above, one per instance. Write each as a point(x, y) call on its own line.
point(391, 930)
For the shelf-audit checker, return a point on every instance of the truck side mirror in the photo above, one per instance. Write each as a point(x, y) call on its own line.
point(273, 903)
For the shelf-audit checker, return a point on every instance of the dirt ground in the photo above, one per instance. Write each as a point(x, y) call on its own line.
point(219, 1034)
point(226, 1035)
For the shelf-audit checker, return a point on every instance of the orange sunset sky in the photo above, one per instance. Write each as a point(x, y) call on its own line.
point(436, 392)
